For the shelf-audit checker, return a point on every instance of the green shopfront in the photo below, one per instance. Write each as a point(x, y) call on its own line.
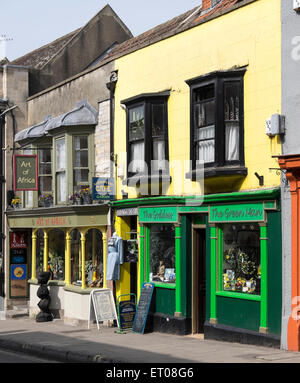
point(216, 266)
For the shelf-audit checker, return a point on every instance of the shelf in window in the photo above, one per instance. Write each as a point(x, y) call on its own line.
point(164, 285)
point(236, 295)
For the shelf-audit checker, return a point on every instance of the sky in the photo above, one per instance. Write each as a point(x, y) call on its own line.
point(30, 24)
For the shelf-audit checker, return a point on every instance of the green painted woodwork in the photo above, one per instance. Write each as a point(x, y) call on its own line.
point(193, 209)
point(200, 220)
point(238, 313)
point(210, 198)
point(264, 277)
point(164, 301)
point(178, 269)
point(186, 266)
point(230, 294)
point(208, 268)
point(142, 256)
point(213, 239)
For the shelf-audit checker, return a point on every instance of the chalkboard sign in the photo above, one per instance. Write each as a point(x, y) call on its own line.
point(104, 306)
point(143, 308)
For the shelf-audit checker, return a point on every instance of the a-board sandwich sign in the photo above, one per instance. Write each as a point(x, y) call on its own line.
point(126, 311)
point(143, 307)
point(103, 303)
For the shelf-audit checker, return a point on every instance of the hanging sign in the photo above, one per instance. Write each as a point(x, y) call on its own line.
point(166, 214)
point(103, 188)
point(104, 306)
point(252, 212)
point(143, 307)
point(25, 172)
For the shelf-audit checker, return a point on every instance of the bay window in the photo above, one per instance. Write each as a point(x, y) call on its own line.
point(217, 131)
point(147, 134)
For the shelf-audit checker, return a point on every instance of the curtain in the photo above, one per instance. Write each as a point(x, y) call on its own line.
point(137, 164)
point(206, 149)
point(232, 141)
point(61, 187)
point(159, 156)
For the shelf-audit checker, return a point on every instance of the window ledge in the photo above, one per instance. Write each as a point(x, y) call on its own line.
point(78, 289)
point(222, 171)
point(147, 179)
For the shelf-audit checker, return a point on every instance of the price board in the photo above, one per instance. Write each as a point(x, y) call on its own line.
point(143, 307)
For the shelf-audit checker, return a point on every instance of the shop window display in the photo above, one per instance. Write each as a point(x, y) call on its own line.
point(39, 251)
point(75, 258)
point(241, 258)
point(162, 253)
point(94, 258)
point(56, 259)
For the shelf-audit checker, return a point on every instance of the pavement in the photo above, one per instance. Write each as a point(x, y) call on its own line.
point(68, 344)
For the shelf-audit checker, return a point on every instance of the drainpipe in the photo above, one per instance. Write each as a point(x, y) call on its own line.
point(111, 86)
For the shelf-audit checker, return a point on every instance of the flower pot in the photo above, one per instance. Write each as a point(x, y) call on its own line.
point(47, 203)
point(87, 199)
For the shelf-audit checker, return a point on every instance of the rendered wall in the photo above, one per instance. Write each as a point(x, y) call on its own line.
point(249, 36)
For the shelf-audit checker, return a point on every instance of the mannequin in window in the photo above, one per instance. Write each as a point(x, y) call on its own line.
point(161, 272)
point(114, 257)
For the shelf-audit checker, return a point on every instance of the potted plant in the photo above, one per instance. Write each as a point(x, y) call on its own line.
point(16, 202)
point(85, 194)
point(75, 199)
point(45, 200)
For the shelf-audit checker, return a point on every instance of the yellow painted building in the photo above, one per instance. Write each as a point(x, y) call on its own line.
point(200, 89)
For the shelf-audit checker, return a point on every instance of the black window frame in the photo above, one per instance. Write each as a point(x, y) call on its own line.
point(147, 101)
point(218, 79)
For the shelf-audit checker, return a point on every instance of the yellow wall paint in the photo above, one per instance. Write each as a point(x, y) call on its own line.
point(250, 35)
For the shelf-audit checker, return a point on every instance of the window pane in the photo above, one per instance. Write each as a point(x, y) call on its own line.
point(206, 151)
point(39, 251)
point(241, 258)
point(76, 258)
point(61, 187)
point(136, 124)
point(205, 93)
point(45, 184)
point(158, 120)
point(81, 159)
point(57, 254)
point(137, 156)
point(232, 118)
point(60, 154)
point(94, 258)
point(162, 253)
point(232, 141)
point(81, 142)
point(205, 114)
point(29, 198)
point(44, 157)
point(158, 155)
point(81, 175)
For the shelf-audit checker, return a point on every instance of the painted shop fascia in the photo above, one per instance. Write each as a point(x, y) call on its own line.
point(250, 309)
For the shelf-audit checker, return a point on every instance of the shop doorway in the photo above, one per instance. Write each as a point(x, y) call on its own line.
point(199, 280)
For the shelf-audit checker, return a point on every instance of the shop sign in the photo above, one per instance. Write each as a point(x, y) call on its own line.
point(167, 214)
point(25, 171)
point(18, 282)
point(127, 212)
point(103, 188)
point(18, 240)
point(253, 212)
